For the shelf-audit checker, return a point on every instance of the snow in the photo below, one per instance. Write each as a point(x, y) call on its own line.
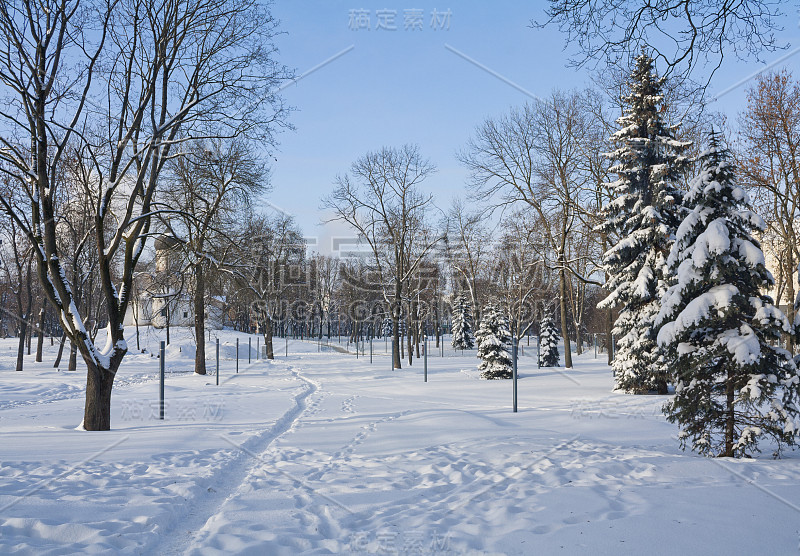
point(713, 241)
point(750, 253)
point(321, 452)
point(743, 344)
point(717, 299)
point(641, 285)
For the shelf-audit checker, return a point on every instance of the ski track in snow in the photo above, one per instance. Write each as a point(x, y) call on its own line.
point(192, 532)
point(477, 497)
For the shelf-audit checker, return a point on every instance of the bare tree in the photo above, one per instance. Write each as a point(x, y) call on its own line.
point(380, 198)
point(215, 181)
point(269, 266)
point(124, 81)
point(683, 34)
point(769, 158)
point(520, 278)
point(324, 271)
point(468, 244)
point(533, 156)
point(16, 260)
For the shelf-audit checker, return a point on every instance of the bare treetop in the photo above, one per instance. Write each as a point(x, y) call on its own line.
point(381, 200)
point(684, 35)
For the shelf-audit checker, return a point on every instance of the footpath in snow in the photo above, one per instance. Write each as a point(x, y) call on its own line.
point(323, 453)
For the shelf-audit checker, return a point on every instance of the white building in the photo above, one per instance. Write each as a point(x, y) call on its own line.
point(160, 303)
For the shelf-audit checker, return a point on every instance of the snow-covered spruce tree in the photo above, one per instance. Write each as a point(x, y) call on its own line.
point(387, 328)
point(548, 343)
point(463, 337)
point(643, 217)
point(732, 386)
point(494, 345)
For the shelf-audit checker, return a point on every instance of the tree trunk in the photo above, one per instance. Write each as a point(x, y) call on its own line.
point(23, 332)
point(268, 338)
point(729, 417)
point(200, 320)
point(417, 337)
point(136, 324)
point(40, 337)
point(438, 320)
point(73, 357)
point(60, 351)
point(28, 333)
point(563, 308)
point(396, 341)
point(409, 340)
point(97, 411)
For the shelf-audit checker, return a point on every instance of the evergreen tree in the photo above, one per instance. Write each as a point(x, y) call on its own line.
point(463, 337)
point(387, 328)
point(494, 345)
point(644, 216)
point(733, 387)
point(548, 343)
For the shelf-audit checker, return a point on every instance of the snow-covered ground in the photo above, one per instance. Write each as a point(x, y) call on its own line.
point(324, 453)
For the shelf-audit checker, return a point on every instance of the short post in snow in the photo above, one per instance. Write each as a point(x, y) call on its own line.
point(161, 384)
point(257, 342)
point(514, 369)
point(249, 350)
point(595, 345)
point(237, 356)
point(286, 337)
point(370, 349)
point(392, 358)
point(217, 361)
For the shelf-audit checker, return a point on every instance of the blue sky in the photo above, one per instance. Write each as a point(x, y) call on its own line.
point(406, 86)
